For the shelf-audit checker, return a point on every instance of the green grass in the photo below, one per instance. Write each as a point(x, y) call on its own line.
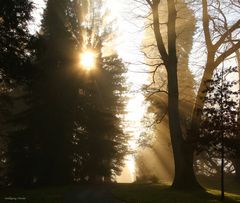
point(230, 184)
point(149, 193)
point(129, 193)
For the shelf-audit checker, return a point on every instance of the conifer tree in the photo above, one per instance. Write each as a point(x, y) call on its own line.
point(99, 139)
point(62, 135)
point(15, 71)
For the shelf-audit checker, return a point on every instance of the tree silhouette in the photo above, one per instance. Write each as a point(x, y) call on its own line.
point(219, 126)
point(185, 26)
point(67, 126)
point(15, 37)
point(15, 71)
point(99, 139)
point(183, 153)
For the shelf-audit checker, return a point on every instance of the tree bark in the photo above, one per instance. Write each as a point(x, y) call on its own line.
point(183, 154)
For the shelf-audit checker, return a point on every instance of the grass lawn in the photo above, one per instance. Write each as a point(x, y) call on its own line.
point(129, 193)
point(41, 195)
point(150, 193)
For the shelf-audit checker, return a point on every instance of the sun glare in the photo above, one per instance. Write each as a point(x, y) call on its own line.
point(87, 60)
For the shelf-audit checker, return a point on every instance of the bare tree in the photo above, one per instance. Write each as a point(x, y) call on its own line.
point(183, 154)
point(222, 40)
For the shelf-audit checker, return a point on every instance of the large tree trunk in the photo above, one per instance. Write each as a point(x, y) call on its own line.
point(183, 155)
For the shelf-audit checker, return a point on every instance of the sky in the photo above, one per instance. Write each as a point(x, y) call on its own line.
point(38, 11)
point(128, 43)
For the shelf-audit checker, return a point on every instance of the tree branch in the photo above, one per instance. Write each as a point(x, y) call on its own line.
point(227, 53)
point(156, 26)
point(206, 25)
point(226, 34)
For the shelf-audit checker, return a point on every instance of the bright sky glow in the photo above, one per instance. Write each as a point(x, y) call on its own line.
point(128, 45)
point(87, 60)
point(35, 24)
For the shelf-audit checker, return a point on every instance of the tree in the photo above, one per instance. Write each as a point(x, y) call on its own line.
point(15, 69)
point(56, 97)
point(183, 154)
point(60, 134)
point(47, 118)
point(14, 47)
point(221, 32)
point(219, 126)
point(221, 41)
point(99, 139)
point(185, 26)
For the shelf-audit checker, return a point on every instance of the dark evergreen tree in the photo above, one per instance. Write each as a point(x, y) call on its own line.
point(15, 70)
point(56, 91)
point(59, 134)
point(99, 139)
point(40, 152)
point(14, 39)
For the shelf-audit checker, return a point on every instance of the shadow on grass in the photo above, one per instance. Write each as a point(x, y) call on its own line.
point(127, 193)
point(149, 193)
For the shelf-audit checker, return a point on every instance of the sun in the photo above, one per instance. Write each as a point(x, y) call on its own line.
point(87, 60)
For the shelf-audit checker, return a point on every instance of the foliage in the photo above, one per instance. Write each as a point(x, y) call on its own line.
point(99, 139)
point(219, 117)
point(59, 135)
point(15, 69)
point(14, 38)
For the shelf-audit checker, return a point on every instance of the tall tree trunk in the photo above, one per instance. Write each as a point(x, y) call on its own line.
point(183, 155)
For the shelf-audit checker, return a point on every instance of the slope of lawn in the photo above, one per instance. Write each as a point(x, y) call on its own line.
point(127, 193)
point(155, 193)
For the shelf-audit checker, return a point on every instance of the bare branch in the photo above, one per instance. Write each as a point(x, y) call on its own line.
point(227, 53)
point(226, 34)
point(206, 25)
point(158, 35)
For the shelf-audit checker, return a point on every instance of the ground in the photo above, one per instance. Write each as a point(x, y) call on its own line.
point(155, 193)
point(114, 193)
